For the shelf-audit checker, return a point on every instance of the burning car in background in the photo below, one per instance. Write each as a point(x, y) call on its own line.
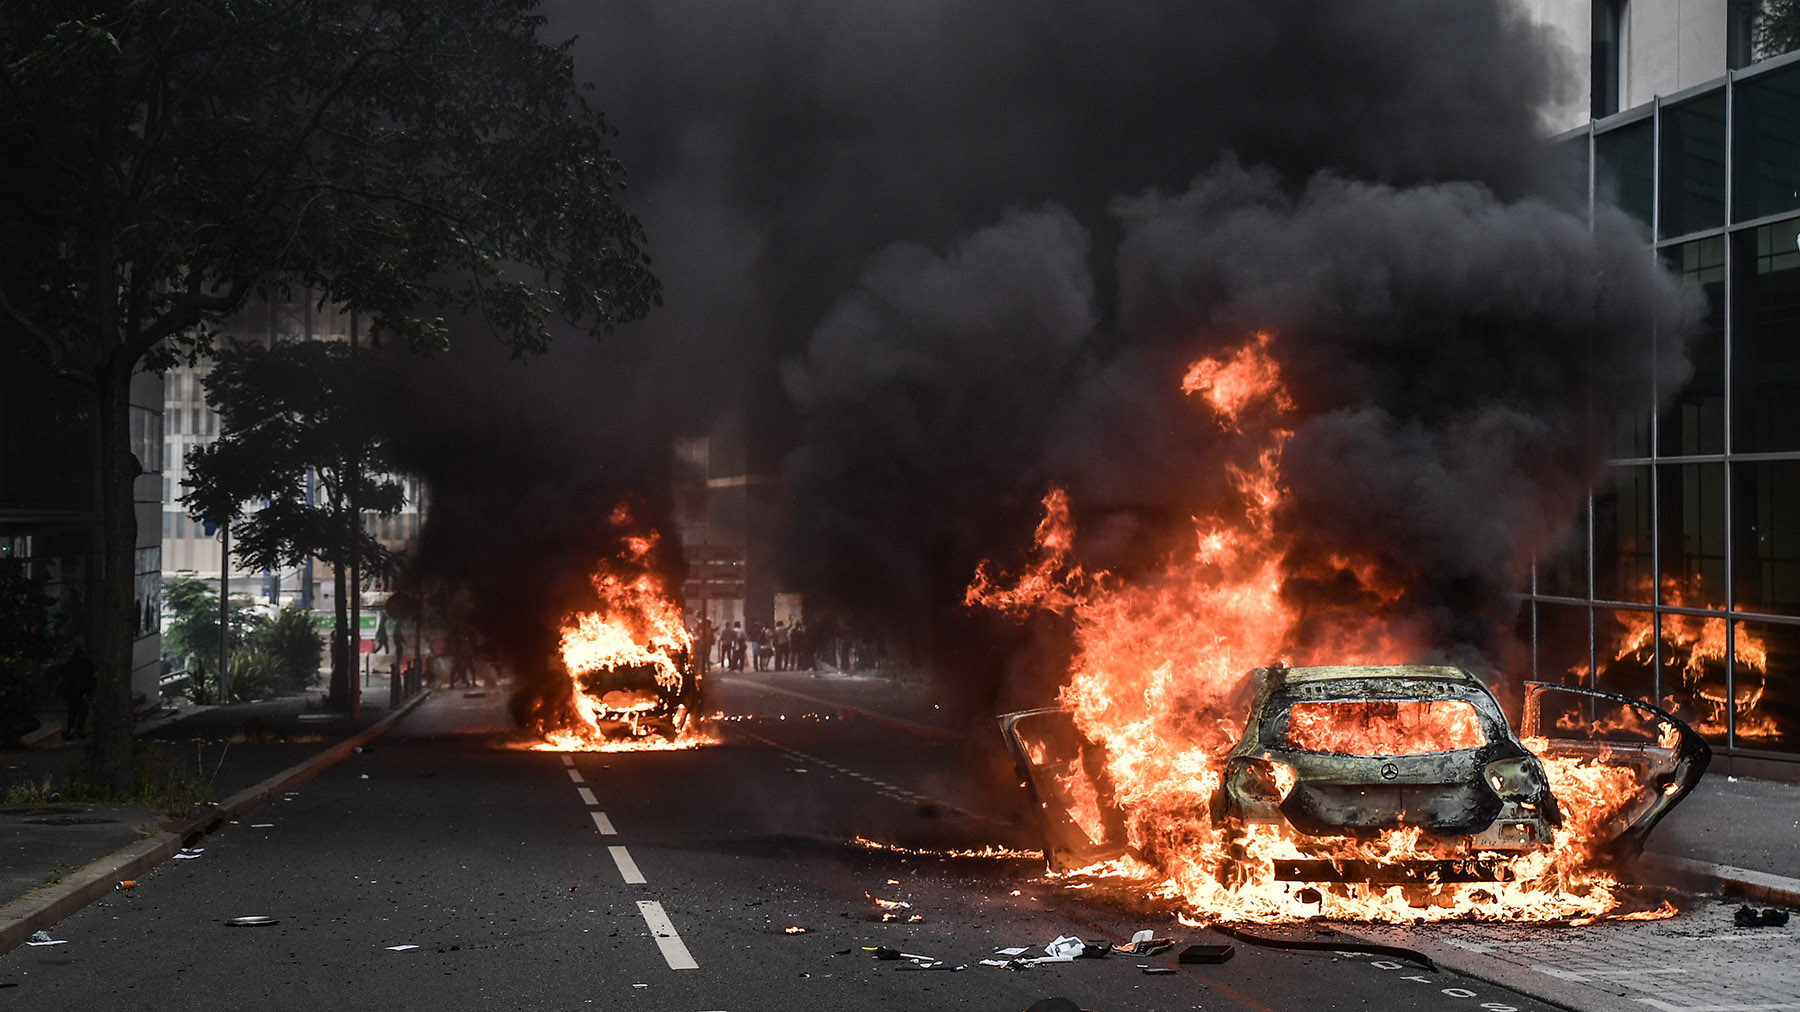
point(1387, 775)
point(624, 674)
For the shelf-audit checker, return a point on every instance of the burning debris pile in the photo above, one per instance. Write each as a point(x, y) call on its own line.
point(627, 673)
point(1368, 791)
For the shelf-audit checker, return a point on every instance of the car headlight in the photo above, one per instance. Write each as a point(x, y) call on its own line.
point(1520, 779)
point(1264, 780)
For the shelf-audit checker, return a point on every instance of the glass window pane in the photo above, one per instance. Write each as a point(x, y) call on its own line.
point(1625, 650)
point(1765, 499)
point(1691, 498)
point(1765, 357)
point(1693, 165)
point(1565, 574)
point(1622, 546)
point(1765, 169)
point(1624, 160)
point(1695, 421)
point(1562, 644)
point(1766, 686)
point(1693, 663)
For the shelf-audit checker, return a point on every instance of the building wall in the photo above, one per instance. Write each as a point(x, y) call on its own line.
point(1670, 46)
point(1683, 581)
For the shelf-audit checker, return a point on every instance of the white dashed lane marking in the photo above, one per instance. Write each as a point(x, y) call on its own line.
point(673, 949)
point(587, 796)
point(604, 825)
point(627, 867)
point(568, 760)
point(575, 775)
point(882, 787)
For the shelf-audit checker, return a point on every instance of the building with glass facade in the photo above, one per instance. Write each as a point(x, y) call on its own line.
point(1686, 584)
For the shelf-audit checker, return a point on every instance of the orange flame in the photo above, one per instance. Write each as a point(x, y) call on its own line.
point(637, 631)
point(1159, 679)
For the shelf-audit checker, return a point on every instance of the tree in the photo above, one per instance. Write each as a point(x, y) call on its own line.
point(285, 411)
point(193, 632)
point(1777, 28)
point(169, 158)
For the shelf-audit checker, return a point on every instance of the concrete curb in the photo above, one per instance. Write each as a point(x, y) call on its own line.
point(849, 712)
point(1704, 876)
point(1562, 993)
point(44, 907)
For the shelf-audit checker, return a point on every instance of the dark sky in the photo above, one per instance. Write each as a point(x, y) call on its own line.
point(944, 256)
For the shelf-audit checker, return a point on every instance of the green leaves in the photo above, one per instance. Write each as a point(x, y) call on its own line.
point(285, 411)
point(406, 159)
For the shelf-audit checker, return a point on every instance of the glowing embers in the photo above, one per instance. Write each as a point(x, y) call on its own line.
point(1383, 727)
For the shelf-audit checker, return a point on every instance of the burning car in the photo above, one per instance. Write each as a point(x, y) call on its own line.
point(1330, 756)
point(634, 700)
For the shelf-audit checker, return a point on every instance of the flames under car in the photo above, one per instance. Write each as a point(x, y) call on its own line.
point(1335, 753)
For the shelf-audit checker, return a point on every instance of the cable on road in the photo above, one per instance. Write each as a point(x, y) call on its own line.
point(1353, 945)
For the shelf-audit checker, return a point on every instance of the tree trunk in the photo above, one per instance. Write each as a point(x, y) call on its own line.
point(340, 643)
point(109, 748)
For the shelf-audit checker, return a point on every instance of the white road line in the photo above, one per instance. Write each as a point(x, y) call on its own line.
point(575, 775)
point(673, 950)
point(627, 867)
point(604, 824)
point(568, 760)
point(587, 796)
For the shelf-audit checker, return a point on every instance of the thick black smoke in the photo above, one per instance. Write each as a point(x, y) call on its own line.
point(942, 256)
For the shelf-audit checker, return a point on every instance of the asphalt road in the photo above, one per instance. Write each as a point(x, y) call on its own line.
point(518, 879)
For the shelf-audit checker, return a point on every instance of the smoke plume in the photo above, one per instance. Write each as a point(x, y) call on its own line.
point(944, 256)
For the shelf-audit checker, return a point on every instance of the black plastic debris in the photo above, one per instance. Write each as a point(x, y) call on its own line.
point(1205, 954)
point(1053, 1005)
point(1749, 917)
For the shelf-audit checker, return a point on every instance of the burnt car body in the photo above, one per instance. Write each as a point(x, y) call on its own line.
point(631, 701)
point(1343, 752)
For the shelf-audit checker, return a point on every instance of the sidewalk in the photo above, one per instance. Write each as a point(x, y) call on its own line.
point(50, 852)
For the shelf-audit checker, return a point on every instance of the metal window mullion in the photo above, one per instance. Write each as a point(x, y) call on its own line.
point(1728, 310)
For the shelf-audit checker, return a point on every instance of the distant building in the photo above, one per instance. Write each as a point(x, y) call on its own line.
point(50, 502)
point(190, 423)
point(1685, 586)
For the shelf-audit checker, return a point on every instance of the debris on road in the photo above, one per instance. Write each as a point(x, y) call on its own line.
point(1749, 917)
point(794, 929)
point(400, 948)
point(1144, 943)
point(1158, 971)
point(1205, 954)
point(126, 884)
point(251, 921)
point(43, 938)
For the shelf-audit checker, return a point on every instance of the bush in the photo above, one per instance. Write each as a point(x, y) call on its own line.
point(291, 649)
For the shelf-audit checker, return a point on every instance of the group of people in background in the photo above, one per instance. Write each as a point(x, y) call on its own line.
point(782, 648)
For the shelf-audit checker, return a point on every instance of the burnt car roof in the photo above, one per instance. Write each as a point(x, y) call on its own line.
point(1435, 672)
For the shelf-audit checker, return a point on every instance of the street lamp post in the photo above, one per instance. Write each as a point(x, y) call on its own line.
point(224, 611)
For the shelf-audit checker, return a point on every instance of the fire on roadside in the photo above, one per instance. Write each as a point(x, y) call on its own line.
point(626, 661)
point(1158, 681)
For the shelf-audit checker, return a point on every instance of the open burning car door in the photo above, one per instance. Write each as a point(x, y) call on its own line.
point(1066, 777)
point(1662, 755)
